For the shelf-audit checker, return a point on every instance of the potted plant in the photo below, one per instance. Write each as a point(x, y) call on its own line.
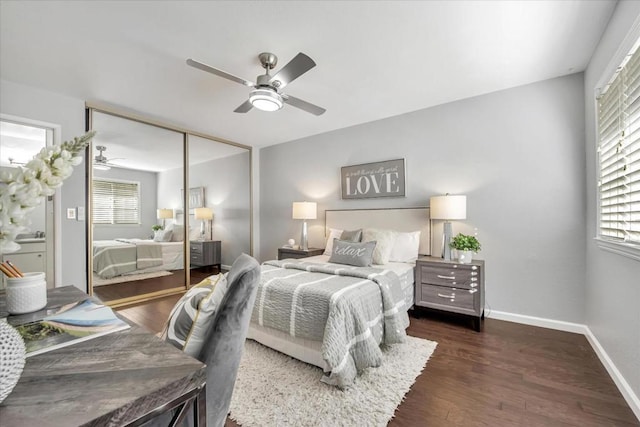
point(156, 228)
point(466, 246)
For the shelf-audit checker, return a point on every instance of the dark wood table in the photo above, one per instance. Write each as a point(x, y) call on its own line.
point(123, 378)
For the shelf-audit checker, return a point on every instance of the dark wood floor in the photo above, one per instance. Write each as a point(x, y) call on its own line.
point(507, 375)
point(138, 287)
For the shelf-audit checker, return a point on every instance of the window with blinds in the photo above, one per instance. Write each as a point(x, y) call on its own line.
point(619, 153)
point(116, 202)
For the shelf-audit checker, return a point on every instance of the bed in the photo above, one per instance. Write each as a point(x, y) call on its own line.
point(337, 316)
point(120, 257)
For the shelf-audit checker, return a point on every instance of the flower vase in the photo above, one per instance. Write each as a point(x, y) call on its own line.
point(465, 257)
point(12, 357)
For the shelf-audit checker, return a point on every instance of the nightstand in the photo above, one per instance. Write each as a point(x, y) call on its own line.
point(284, 253)
point(206, 253)
point(451, 286)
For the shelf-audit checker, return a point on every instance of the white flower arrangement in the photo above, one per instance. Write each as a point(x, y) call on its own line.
point(24, 189)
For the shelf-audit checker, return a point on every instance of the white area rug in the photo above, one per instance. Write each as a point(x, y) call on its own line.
point(97, 281)
point(274, 389)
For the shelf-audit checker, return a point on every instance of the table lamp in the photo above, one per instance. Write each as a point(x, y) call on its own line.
point(203, 214)
point(447, 208)
point(304, 211)
point(164, 214)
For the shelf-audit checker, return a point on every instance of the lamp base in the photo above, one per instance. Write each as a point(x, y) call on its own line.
point(446, 239)
point(303, 237)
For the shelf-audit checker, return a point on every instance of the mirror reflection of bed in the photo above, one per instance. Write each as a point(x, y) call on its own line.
point(126, 260)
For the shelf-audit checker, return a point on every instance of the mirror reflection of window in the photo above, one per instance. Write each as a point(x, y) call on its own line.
point(19, 142)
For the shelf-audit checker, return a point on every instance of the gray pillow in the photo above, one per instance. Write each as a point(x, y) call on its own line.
point(351, 253)
point(351, 236)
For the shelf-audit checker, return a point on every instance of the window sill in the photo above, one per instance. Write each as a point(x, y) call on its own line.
point(624, 249)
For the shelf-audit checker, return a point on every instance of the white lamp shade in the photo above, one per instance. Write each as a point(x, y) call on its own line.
point(203, 213)
point(165, 213)
point(448, 207)
point(304, 210)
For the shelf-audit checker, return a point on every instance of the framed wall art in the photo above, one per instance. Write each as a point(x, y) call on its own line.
point(196, 197)
point(373, 180)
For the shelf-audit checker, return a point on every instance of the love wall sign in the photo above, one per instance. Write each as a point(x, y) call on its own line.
point(370, 180)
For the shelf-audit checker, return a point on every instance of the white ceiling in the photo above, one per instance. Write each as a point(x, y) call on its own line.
point(375, 59)
point(133, 145)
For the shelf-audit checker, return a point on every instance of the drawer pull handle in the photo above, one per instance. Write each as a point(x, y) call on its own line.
point(473, 291)
point(446, 277)
point(452, 296)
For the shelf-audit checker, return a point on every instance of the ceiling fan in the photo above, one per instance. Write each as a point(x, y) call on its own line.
point(100, 162)
point(266, 94)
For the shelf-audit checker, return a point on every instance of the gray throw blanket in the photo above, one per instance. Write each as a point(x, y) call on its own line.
point(351, 310)
point(148, 255)
point(115, 258)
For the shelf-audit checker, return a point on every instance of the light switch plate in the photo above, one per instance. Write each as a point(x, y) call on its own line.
point(71, 213)
point(80, 210)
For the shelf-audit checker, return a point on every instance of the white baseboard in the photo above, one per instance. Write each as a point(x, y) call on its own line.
point(538, 321)
point(624, 387)
point(225, 267)
point(632, 399)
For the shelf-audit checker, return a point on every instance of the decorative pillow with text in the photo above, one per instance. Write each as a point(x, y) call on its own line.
point(351, 253)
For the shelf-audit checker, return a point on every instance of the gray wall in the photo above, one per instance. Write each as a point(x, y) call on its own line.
point(517, 154)
point(226, 183)
point(36, 104)
point(148, 190)
point(612, 280)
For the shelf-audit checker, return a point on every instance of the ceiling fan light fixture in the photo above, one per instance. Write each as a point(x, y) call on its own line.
point(265, 99)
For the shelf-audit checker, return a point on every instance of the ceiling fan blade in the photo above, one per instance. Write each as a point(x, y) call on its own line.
point(303, 105)
point(217, 72)
point(244, 107)
point(299, 65)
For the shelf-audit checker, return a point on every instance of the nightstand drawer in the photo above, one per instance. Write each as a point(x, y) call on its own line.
point(455, 276)
point(195, 248)
point(450, 298)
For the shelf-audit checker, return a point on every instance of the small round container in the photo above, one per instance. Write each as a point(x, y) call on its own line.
point(26, 294)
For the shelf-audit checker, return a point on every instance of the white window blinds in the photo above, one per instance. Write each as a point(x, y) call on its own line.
point(619, 154)
point(116, 202)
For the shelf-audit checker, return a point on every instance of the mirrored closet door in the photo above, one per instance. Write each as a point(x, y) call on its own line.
point(148, 237)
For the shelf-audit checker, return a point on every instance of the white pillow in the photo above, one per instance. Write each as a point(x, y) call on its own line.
point(384, 243)
point(162, 236)
point(406, 246)
point(333, 234)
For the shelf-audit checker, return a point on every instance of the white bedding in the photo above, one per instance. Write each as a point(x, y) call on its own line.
point(310, 351)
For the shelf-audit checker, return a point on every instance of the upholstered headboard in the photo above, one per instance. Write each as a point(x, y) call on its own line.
point(399, 219)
